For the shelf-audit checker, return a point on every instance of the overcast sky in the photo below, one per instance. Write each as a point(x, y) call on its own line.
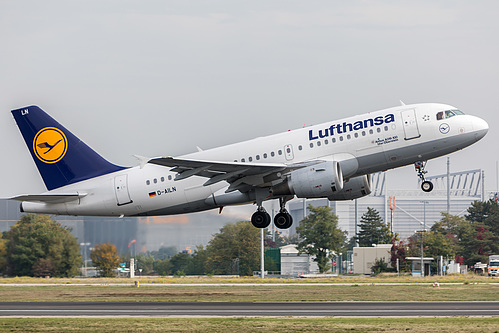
point(161, 77)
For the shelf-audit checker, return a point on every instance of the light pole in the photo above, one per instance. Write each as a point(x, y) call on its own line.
point(85, 245)
point(422, 233)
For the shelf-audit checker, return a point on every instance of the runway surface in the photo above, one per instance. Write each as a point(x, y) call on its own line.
point(223, 309)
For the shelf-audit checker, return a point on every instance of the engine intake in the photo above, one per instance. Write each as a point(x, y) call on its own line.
point(316, 181)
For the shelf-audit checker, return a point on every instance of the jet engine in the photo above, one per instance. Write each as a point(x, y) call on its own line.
point(316, 181)
point(354, 188)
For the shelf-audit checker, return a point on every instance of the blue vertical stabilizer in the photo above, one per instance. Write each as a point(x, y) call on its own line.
point(61, 158)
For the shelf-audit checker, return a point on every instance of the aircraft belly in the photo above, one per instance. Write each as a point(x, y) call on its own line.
point(409, 154)
point(187, 207)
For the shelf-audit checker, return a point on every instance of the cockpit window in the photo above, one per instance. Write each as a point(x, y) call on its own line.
point(448, 113)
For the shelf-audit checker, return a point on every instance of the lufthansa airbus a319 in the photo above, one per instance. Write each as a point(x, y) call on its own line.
point(332, 160)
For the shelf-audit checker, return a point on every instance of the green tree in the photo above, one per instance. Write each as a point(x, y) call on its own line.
point(145, 262)
point(483, 241)
point(235, 249)
point(36, 237)
point(320, 236)
point(372, 229)
point(164, 252)
point(105, 257)
point(3, 256)
point(162, 267)
point(43, 267)
point(180, 263)
point(198, 264)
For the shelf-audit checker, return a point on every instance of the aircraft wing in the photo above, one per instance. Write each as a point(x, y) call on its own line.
point(49, 198)
point(240, 176)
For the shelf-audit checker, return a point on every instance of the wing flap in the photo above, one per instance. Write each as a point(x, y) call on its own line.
point(232, 172)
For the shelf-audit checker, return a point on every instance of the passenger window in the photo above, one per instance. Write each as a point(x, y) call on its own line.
point(386, 128)
point(272, 154)
point(318, 143)
point(162, 179)
point(169, 177)
point(300, 147)
point(341, 138)
point(155, 181)
point(264, 155)
point(288, 150)
point(440, 115)
point(371, 131)
point(333, 140)
point(326, 142)
point(148, 182)
point(257, 157)
point(363, 133)
point(243, 160)
point(349, 136)
point(311, 145)
point(279, 152)
point(356, 135)
point(379, 130)
point(250, 158)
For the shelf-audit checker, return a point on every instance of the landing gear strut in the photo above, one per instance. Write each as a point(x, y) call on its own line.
point(283, 219)
point(426, 185)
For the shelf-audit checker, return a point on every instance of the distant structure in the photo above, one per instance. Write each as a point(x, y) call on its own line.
point(132, 234)
point(413, 209)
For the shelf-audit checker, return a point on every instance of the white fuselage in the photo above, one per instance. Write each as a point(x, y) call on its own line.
point(363, 144)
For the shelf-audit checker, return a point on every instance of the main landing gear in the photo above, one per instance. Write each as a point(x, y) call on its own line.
point(260, 218)
point(283, 220)
point(426, 185)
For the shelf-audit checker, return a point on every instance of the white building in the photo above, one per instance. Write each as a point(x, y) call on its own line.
point(296, 264)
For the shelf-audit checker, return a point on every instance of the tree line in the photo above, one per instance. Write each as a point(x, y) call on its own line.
point(39, 246)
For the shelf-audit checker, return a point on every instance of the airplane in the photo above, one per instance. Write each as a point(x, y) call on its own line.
point(332, 160)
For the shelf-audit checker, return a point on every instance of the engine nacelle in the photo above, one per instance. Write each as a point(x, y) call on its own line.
point(354, 188)
point(316, 181)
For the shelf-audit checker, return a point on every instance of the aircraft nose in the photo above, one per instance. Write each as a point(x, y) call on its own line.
point(480, 127)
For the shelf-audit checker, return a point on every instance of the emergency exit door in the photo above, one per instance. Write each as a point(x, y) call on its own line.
point(410, 123)
point(121, 190)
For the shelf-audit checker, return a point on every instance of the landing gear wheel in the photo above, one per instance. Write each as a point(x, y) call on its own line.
point(283, 220)
point(260, 219)
point(427, 186)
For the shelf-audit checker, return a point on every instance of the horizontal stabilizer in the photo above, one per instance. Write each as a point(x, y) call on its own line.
point(49, 198)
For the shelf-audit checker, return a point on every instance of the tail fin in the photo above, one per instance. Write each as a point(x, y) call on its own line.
point(61, 158)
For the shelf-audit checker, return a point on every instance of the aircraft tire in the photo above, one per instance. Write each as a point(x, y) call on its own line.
point(283, 220)
point(260, 219)
point(427, 186)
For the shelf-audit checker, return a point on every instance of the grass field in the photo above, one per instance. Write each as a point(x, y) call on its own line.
point(359, 279)
point(454, 325)
point(251, 293)
point(232, 289)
